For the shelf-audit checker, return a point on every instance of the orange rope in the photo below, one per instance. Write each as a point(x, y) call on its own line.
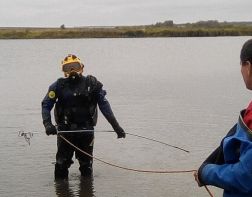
point(132, 169)
point(209, 192)
point(125, 168)
point(135, 135)
point(158, 142)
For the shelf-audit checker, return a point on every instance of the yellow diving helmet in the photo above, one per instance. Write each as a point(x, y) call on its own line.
point(71, 65)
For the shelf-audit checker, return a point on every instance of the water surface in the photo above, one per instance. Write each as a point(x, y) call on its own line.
point(184, 91)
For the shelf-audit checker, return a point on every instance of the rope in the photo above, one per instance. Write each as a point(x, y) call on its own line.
point(143, 137)
point(209, 192)
point(158, 142)
point(132, 169)
point(30, 134)
point(125, 168)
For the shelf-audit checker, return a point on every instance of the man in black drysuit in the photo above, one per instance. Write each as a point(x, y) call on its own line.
point(75, 98)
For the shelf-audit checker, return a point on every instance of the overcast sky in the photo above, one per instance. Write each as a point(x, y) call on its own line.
point(53, 13)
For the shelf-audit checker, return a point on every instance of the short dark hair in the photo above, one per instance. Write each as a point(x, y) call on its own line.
point(246, 52)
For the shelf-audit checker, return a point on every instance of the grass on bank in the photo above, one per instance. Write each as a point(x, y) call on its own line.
point(125, 32)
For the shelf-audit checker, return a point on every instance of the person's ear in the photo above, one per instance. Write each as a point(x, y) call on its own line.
point(249, 67)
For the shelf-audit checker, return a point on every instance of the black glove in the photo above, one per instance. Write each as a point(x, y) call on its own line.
point(50, 129)
point(120, 132)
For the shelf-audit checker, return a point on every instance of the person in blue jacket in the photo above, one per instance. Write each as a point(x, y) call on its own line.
point(230, 166)
point(75, 98)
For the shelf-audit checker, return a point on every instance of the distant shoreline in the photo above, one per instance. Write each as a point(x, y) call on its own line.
point(165, 29)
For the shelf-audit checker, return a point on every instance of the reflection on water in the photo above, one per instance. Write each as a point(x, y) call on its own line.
point(64, 188)
point(86, 187)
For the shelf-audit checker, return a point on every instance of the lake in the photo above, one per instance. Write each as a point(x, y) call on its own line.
point(183, 91)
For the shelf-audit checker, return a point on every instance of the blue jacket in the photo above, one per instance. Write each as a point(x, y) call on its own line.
point(230, 165)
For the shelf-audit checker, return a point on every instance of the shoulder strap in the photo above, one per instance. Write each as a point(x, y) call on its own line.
point(93, 84)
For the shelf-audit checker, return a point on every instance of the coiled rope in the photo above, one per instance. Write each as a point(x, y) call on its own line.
point(132, 169)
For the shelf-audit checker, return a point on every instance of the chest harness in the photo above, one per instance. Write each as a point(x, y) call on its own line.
point(77, 102)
